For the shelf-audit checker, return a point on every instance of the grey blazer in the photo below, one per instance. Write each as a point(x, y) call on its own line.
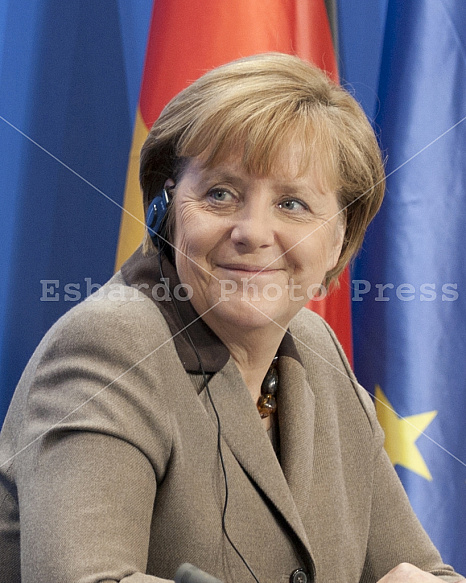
point(110, 469)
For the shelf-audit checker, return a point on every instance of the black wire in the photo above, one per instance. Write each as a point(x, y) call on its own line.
point(219, 429)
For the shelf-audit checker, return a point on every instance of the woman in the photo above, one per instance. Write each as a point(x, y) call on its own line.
point(193, 411)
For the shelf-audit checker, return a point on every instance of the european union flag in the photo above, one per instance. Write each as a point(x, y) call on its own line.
point(409, 294)
point(69, 84)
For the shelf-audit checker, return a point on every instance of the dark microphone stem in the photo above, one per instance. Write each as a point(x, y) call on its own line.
point(188, 573)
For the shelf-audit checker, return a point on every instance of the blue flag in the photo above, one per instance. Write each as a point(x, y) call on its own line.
point(409, 296)
point(69, 83)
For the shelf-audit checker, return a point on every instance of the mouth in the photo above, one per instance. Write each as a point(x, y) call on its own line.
point(248, 269)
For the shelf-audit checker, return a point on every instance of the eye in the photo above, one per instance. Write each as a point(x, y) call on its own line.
point(293, 205)
point(220, 195)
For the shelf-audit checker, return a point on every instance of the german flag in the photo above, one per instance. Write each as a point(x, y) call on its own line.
point(188, 38)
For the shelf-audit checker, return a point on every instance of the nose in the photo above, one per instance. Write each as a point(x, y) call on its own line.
point(253, 227)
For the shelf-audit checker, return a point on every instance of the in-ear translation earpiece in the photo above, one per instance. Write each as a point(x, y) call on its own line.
point(155, 215)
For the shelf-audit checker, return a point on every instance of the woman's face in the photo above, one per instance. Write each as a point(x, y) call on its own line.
point(253, 249)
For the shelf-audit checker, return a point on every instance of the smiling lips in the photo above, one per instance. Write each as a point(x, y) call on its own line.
point(250, 269)
point(246, 271)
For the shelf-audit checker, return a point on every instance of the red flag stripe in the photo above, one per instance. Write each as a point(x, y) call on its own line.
point(187, 38)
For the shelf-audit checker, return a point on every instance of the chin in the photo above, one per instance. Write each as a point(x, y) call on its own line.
point(249, 315)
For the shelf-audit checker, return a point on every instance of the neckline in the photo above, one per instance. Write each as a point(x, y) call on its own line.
point(143, 272)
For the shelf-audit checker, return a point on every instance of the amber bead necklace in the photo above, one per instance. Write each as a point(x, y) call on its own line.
point(267, 402)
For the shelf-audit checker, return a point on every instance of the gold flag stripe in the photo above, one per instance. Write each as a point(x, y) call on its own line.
point(132, 217)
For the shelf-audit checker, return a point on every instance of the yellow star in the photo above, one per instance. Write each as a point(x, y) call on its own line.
point(401, 435)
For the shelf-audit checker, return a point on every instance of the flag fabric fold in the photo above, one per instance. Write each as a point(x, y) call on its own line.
point(67, 102)
point(187, 39)
point(409, 288)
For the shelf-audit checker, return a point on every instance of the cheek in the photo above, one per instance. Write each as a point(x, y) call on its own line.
point(316, 253)
point(186, 231)
point(190, 260)
point(197, 236)
point(329, 239)
point(338, 236)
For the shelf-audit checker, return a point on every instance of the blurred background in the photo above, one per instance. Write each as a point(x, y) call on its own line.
point(80, 84)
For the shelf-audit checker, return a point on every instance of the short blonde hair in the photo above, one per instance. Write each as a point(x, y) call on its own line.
point(256, 105)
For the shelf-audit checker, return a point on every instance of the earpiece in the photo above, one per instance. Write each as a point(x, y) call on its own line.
point(155, 215)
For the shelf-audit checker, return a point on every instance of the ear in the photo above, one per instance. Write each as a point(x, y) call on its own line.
point(339, 236)
point(169, 184)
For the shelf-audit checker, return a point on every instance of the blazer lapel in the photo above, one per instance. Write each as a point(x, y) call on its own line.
point(244, 435)
point(296, 402)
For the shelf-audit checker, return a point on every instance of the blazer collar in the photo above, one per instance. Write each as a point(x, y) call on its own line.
point(152, 276)
point(286, 483)
point(296, 405)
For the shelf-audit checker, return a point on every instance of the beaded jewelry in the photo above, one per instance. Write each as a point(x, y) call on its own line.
point(267, 402)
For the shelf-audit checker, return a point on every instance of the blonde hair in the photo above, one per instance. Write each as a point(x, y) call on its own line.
point(258, 105)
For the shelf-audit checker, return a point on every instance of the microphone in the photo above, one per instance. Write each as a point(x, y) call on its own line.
point(187, 573)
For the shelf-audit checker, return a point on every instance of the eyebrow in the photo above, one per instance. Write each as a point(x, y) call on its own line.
point(219, 174)
point(294, 186)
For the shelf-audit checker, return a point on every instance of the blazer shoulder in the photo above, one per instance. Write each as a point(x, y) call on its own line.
point(312, 333)
point(102, 367)
point(320, 350)
point(116, 312)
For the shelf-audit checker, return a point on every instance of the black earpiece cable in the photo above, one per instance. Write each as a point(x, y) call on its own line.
point(219, 429)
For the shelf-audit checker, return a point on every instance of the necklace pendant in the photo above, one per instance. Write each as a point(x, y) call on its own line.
point(266, 405)
point(270, 382)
